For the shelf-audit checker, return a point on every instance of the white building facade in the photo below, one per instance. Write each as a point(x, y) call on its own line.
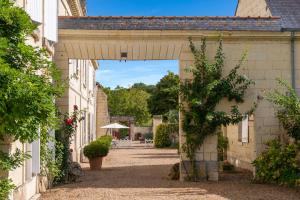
point(81, 91)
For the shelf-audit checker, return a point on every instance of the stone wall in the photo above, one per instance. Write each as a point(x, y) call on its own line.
point(253, 8)
point(103, 117)
point(268, 58)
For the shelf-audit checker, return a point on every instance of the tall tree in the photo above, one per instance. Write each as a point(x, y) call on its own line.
point(165, 95)
point(129, 102)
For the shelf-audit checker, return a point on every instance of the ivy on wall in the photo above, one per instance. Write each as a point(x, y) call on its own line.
point(27, 89)
point(203, 93)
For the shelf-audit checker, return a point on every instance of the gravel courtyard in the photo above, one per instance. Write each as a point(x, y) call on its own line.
point(140, 173)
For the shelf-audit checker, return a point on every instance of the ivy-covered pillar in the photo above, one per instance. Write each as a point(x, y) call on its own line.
point(206, 156)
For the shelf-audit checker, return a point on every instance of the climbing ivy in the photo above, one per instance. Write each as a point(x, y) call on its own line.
point(63, 137)
point(27, 89)
point(203, 93)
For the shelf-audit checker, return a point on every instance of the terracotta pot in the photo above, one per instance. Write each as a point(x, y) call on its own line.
point(96, 163)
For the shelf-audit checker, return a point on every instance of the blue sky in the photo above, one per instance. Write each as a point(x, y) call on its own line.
point(113, 73)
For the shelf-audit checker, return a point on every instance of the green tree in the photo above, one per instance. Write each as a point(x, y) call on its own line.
point(165, 95)
point(288, 108)
point(201, 96)
point(129, 102)
point(143, 86)
point(27, 91)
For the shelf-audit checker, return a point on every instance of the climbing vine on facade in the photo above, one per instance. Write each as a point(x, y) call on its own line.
point(63, 137)
point(203, 93)
point(27, 89)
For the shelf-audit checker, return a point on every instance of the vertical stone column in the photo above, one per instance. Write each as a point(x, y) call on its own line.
point(206, 157)
point(62, 62)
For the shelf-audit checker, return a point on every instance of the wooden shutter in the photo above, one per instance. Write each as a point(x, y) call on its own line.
point(35, 10)
point(245, 130)
point(50, 19)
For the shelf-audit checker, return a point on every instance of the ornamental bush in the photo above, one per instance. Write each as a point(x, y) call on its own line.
point(106, 140)
point(163, 136)
point(278, 164)
point(96, 149)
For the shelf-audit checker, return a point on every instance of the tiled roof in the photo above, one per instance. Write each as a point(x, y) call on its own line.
point(171, 23)
point(288, 10)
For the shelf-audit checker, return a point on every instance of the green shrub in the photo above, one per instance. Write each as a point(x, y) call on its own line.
point(105, 139)
point(96, 149)
point(163, 135)
point(287, 103)
point(222, 146)
point(278, 164)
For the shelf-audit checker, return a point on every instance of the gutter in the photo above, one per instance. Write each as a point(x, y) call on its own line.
point(293, 68)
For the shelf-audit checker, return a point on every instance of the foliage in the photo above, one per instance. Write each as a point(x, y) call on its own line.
point(165, 95)
point(163, 135)
point(106, 139)
point(142, 86)
point(10, 162)
point(222, 146)
point(51, 159)
point(278, 164)
point(6, 185)
point(123, 133)
point(288, 108)
point(63, 138)
point(27, 89)
point(172, 117)
point(203, 93)
point(97, 148)
point(129, 102)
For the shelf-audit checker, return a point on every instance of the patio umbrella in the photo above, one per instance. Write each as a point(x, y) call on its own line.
point(114, 126)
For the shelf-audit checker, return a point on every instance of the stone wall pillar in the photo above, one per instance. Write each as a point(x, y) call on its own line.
point(207, 156)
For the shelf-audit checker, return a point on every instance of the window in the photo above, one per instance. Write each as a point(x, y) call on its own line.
point(243, 130)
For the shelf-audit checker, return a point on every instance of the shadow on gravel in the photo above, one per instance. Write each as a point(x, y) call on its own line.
point(235, 186)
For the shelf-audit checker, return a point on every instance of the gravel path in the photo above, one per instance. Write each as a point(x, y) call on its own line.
point(141, 174)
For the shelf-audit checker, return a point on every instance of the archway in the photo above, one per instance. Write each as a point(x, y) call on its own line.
point(150, 38)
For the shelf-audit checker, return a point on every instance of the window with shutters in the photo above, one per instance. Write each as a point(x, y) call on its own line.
point(243, 130)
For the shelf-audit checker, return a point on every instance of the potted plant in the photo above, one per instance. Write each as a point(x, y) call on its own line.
point(95, 151)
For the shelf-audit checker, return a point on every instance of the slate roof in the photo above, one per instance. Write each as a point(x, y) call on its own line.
point(288, 10)
point(171, 23)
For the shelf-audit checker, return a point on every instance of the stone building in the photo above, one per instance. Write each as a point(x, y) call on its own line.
point(102, 115)
point(269, 30)
point(81, 88)
point(279, 59)
point(270, 42)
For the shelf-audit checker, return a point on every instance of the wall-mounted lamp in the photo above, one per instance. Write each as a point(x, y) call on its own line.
point(124, 56)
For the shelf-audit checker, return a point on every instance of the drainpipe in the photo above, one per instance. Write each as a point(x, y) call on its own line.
point(293, 70)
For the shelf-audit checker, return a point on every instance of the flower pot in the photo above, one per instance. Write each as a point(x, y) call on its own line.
point(96, 163)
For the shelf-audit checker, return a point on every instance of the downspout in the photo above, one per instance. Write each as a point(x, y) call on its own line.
point(293, 69)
